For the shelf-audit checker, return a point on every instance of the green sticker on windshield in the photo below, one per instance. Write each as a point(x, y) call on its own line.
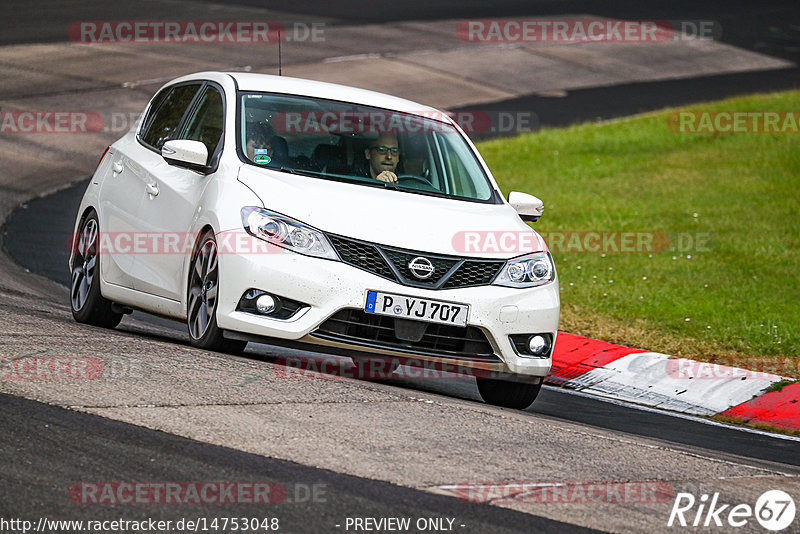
point(262, 159)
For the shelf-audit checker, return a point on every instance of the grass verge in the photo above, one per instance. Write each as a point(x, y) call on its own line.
point(720, 211)
point(758, 426)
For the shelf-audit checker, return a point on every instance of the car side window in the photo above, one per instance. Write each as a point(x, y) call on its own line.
point(205, 123)
point(151, 111)
point(166, 119)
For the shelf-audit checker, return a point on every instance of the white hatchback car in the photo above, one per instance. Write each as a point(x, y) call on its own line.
point(323, 217)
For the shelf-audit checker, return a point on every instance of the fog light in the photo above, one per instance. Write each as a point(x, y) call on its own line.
point(537, 345)
point(265, 304)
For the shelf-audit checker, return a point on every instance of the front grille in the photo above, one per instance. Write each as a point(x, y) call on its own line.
point(362, 255)
point(378, 331)
point(449, 272)
point(474, 273)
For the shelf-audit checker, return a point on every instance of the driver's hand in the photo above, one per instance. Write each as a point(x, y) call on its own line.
point(387, 176)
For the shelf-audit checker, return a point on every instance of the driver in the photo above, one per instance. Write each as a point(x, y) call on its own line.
point(383, 156)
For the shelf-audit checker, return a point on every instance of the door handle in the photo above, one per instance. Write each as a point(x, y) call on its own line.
point(117, 167)
point(152, 190)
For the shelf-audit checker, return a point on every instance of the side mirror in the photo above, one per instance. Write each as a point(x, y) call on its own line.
point(188, 154)
point(528, 206)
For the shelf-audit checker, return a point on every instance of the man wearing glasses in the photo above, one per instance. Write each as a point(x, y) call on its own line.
point(383, 156)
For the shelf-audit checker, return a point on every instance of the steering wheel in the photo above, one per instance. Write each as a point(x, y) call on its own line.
point(414, 179)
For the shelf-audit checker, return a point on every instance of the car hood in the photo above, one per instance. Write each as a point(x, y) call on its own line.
point(395, 218)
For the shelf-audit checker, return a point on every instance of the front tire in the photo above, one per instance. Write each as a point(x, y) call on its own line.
point(87, 303)
point(201, 308)
point(516, 395)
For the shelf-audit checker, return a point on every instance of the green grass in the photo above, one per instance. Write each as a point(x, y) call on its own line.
point(779, 385)
point(737, 297)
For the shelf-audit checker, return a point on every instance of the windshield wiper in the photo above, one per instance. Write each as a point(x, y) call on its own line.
point(425, 192)
point(290, 170)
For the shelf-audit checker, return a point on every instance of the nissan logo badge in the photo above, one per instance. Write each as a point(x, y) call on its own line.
point(421, 267)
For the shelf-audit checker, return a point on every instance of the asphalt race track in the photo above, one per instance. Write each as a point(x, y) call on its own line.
point(78, 446)
point(44, 251)
point(332, 449)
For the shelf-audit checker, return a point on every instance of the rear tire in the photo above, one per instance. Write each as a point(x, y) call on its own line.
point(87, 303)
point(201, 308)
point(516, 395)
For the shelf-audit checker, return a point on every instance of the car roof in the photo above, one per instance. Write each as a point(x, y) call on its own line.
point(248, 81)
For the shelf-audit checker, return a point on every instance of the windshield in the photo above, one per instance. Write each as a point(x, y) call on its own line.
point(359, 144)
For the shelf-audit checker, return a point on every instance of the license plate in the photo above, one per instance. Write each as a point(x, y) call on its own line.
point(432, 311)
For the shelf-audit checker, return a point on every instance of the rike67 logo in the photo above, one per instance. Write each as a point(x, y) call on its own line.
point(774, 510)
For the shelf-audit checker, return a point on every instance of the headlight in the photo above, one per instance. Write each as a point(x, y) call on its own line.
point(287, 233)
point(527, 271)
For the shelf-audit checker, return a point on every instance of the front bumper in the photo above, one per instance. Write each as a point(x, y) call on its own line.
point(329, 287)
